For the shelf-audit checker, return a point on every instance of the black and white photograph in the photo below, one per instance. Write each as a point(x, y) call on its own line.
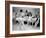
point(25, 18)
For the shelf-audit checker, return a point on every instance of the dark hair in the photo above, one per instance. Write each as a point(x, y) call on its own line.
point(21, 10)
point(26, 11)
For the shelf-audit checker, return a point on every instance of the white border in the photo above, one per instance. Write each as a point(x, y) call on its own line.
point(30, 6)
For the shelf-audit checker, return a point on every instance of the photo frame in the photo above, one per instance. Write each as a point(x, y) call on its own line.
point(24, 18)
